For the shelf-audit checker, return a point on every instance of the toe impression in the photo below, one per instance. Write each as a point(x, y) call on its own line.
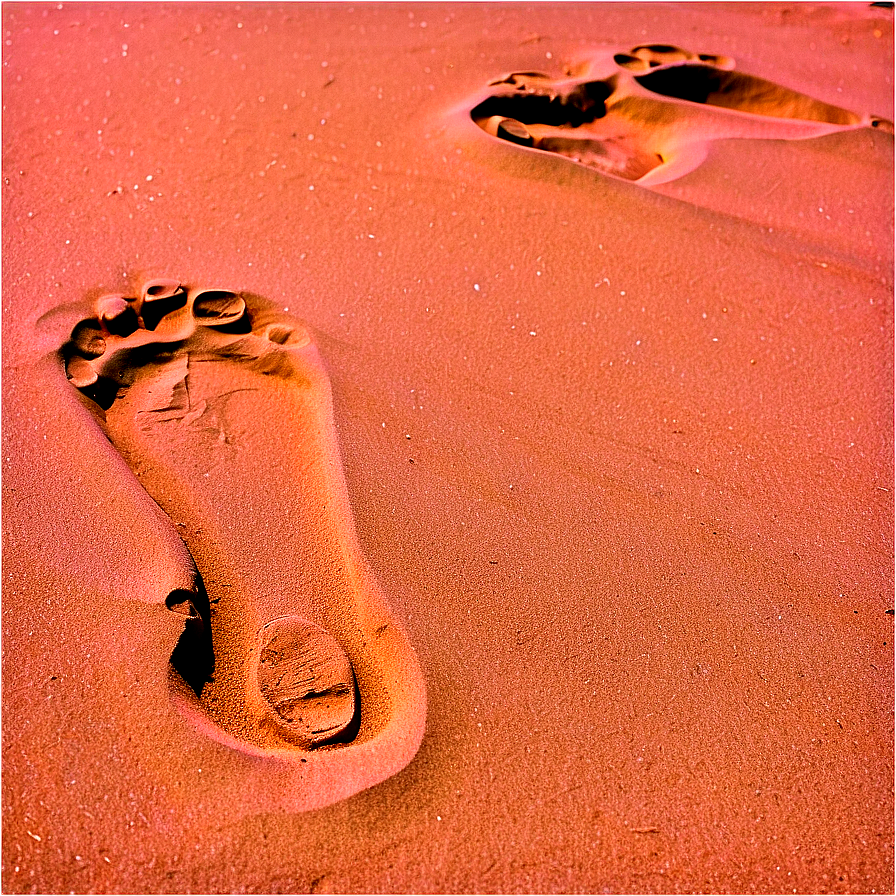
point(159, 298)
point(217, 307)
point(116, 315)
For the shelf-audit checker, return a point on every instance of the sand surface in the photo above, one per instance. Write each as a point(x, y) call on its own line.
point(575, 493)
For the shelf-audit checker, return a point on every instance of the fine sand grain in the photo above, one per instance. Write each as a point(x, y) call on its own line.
point(447, 448)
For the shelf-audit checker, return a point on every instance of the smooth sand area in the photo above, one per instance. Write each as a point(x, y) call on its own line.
point(447, 448)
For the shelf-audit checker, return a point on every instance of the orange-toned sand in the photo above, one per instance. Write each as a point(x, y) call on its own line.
point(447, 448)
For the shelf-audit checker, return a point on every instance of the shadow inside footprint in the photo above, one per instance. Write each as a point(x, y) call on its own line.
point(193, 658)
point(699, 83)
point(580, 105)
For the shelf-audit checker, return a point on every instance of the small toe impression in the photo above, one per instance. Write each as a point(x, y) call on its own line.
point(725, 63)
point(156, 290)
point(160, 297)
point(508, 129)
point(662, 54)
point(514, 131)
point(80, 372)
point(217, 307)
point(306, 679)
point(88, 340)
point(117, 316)
point(289, 337)
point(632, 63)
point(517, 79)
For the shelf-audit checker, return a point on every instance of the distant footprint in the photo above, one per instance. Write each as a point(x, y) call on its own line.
point(222, 409)
point(651, 119)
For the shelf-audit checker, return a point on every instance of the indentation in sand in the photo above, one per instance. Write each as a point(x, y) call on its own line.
point(306, 678)
point(652, 118)
point(223, 412)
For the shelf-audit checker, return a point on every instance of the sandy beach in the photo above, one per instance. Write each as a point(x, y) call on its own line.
point(447, 448)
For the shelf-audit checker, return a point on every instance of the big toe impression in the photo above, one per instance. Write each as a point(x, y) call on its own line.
point(217, 307)
point(306, 679)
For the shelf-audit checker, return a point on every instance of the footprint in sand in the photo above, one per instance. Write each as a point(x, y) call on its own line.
point(652, 113)
point(223, 411)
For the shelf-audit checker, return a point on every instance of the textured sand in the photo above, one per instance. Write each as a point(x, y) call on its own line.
point(620, 459)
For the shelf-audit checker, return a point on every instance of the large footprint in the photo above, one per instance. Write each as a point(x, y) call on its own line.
point(223, 412)
point(652, 119)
